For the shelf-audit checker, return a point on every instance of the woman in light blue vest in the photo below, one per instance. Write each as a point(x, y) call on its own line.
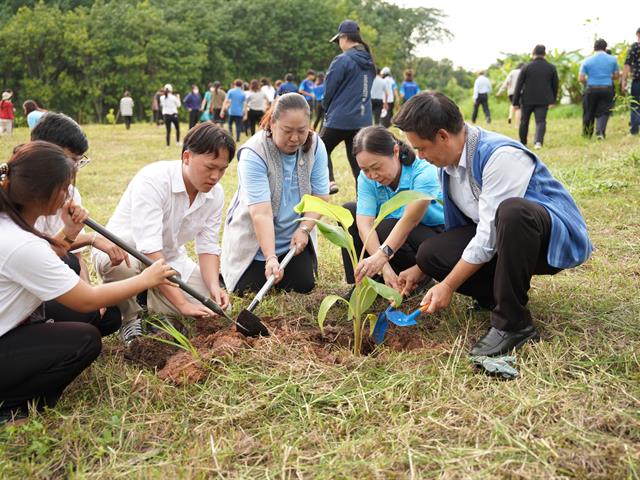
point(389, 166)
point(506, 218)
point(276, 167)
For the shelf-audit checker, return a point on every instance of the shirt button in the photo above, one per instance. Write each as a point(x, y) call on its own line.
point(301, 163)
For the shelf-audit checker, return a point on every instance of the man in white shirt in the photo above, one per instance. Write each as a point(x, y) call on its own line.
point(126, 109)
point(378, 97)
point(506, 220)
point(391, 92)
point(166, 205)
point(481, 89)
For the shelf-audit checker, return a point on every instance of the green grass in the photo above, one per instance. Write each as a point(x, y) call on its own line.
point(276, 411)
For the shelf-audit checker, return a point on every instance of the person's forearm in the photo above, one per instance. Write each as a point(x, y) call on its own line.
point(265, 233)
point(84, 274)
point(174, 295)
point(462, 271)
point(99, 296)
point(401, 231)
point(365, 227)
point(210, 270)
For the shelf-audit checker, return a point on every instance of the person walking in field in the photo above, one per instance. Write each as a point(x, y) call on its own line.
point(234, 107)
point(409, 87)
point(192, 102)
point(6, 114)
point(318, 91)
point(509, 85)
point(598, 73)
point(255, 106)
point(481, 90)
point(33, 113)
point(536, 91)
point(632, 69)
point(392, 96)
point(170, 104)
point(126, 109)
point(378, 97)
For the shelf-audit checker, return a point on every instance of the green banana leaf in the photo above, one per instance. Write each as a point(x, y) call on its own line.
point(310, 203)
point(399, 201)
point(326, 305)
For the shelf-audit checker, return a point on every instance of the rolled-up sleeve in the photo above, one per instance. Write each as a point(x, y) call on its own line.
point(207, 239)
point(320, 171)
point(146, 216)
point(506, 175)
point(367, 203)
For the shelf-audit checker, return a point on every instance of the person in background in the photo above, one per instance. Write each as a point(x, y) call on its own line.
point(234, 106)
point(245, 112)
point(389, 166)
point(218, 96)
point(41, 358)
point(598, 73)
point(33, 113)
point(391, 93)
point(156, 108)
point(378, 97)
point(268, 89)
point(536, 91)
point(6, 113)
point(193, 103)
point(318, 91)
point(481, 89)
point(306, 88)
point(170, 104)
point(632, 69)
point(126, 109)
point(509, 85)
point(347, 95)
point(255, 106)
point(276, 167)
point(207, 105)
point(409, 87)
point(288, 86)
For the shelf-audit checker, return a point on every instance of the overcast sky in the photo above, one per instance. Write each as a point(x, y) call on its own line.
point(483, 29)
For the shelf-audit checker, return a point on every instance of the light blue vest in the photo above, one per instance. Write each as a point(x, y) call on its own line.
point(569, 243)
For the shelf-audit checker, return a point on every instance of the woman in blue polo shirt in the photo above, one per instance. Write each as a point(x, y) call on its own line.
point(389, 166)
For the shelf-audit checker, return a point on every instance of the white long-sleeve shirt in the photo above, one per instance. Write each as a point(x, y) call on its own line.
point(170, 104)
point(506, 175)
point(481, 85)
point(509, 83)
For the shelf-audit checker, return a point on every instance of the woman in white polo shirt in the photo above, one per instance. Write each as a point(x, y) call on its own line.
point(170, 104)
point(40, 359)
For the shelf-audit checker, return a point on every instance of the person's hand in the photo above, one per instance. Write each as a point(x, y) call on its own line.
point(300, 239)
point(272, 267)
point(222, 114)
point(158, 273)
point(245, 117)
point(188, 309)
point(371, 266)
point(438, 297)
point(220, 296)
point(116, 254)
point(409, 279)
point(390, 277)
point(73, 217)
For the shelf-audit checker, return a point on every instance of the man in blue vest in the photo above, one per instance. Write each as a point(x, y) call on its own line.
point(506, 218)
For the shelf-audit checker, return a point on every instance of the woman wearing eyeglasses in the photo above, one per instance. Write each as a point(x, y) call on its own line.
point(64, 132)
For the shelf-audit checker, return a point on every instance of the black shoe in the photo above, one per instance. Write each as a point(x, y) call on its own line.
point(333, 188)
point(479, 307)
point(499, 342)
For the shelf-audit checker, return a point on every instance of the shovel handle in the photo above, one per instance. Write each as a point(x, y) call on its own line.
point(424, 308)
point(272, 278)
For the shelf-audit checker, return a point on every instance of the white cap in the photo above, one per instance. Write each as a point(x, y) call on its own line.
point(385, 71)
point(168, 87)
point(6, 95)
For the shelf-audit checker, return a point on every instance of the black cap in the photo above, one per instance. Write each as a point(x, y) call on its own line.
point(347, 26)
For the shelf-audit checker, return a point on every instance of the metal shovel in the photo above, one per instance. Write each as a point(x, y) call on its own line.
point(396, 317)
point(249, 327)
point(247, 314)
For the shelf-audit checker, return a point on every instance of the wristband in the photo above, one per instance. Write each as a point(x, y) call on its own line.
point(306, 230)
point(266, 260)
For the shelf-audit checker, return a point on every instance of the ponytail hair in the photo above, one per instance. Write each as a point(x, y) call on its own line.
point(36, 173)
point(284, 103)
point(380, 141)
point(357, 38)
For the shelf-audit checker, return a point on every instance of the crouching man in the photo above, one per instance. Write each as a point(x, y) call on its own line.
point(166, 205)
point(506, 218)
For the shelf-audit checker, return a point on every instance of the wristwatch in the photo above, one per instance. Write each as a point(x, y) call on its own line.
point(305, 229)
point(387, 250)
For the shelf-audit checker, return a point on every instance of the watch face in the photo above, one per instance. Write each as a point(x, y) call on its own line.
point(387, 250)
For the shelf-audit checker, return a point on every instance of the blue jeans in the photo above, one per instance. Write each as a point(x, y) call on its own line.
point(237, 119)
point(635, 107)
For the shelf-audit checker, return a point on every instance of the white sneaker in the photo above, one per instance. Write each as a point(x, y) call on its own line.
point(178, 143)
point(131, 331)
point(537, 146)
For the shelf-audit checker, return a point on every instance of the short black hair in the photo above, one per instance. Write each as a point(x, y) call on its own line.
point(209, 137)
point(600, 44)
point(62, 130)
point(539, 50)
point(289, 77)
point(426, 113)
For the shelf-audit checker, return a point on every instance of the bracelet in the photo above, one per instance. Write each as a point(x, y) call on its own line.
point(67, 239)
point(266, 260)
point(306, 230)
point(93, 238)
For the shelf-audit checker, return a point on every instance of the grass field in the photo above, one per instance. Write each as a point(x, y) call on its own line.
point(278, 412)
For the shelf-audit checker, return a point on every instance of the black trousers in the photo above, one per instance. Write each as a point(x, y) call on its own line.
point(376, 108)
point(405, 256)
point(194, 115)
point(127, 121)
point(540, 114)
point(319, 116)
point(168, 120)
point(40, 360)
point(481, 100)
point(596, 106)
point(386, 121)
point(331, 138)
point(254, 117)
point(106, 324)
point(299, 276)
point(215, 115)
point(522, 240)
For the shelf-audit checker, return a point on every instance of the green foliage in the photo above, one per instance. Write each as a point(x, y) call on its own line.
point(365, 292)
point(181, 341)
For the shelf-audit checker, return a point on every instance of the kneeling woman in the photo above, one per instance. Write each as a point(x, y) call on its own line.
point(40, 359)
point(276, 167)
point(389, 166)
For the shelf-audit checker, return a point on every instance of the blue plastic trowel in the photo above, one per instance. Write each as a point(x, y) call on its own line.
point(396, 317)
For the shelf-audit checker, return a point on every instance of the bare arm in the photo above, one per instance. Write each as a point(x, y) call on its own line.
point(210, 272)
point(625, 74)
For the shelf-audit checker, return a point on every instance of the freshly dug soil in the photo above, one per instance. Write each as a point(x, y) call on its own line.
point(213, 339)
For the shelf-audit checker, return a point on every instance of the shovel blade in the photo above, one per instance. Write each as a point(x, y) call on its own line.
point(250, 325)
point(401, 319)
point(380, 329)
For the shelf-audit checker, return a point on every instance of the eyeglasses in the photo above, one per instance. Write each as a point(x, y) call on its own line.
point(83, 161)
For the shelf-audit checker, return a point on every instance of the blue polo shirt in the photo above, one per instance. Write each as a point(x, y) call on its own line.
point(420, 176)
point(236, 96)
point(307, 86)
point(318, 91)
point(287, 87)
point(598, 68)
point(409, 89)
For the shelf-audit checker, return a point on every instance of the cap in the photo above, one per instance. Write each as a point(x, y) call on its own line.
point(347, 26)
point(6, 95)
point(385, 71)
point(168, 87)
